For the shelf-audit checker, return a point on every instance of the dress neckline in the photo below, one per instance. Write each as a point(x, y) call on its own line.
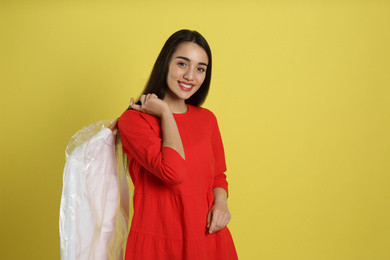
point(185, 113)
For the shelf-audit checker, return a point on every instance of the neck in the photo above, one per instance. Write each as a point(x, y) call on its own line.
point(177, 106)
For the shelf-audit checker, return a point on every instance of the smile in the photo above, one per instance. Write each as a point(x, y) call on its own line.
point(185, 86)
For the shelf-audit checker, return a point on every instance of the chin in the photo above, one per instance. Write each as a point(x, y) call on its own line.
point(184, 96)
point(187, 97)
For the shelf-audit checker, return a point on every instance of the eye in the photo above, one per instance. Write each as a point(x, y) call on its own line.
point(201, 70)
point(182, 64)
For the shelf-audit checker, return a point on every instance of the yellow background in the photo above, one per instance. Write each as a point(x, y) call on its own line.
point(301, 90)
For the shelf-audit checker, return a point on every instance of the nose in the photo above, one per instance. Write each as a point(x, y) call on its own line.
point(189, 74)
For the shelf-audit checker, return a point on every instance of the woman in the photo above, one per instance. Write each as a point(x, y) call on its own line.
point(176, 160)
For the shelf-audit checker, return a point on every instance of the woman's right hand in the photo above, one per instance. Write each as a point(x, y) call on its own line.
point(152, 105)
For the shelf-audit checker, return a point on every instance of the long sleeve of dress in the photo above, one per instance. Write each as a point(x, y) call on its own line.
point(141, 137)
point(219, 157)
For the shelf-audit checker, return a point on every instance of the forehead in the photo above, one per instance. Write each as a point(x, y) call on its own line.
point(191, 51)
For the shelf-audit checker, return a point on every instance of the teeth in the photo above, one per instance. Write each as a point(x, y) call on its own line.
point(186, 86)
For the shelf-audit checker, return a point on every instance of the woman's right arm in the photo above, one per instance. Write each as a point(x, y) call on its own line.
point(154, 106)
point(162, 156)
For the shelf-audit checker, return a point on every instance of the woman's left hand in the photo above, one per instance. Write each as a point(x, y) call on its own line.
point(114, 125)
point(218, 217)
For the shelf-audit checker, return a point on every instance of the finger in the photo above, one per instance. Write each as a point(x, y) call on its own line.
point(224, 220)
point(228, 218)
point(131, 103)
point(137, 107)
point(147, 98)
point(219, 222)
point(209, 219)
point(151, 96)
point(214, 221)
point(142, 99)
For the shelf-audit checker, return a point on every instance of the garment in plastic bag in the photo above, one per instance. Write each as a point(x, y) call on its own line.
point(95, 201)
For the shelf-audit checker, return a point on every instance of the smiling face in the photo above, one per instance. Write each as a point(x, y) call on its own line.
point(186, 72)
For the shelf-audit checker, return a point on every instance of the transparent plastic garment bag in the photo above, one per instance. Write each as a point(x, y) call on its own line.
point(95, 201)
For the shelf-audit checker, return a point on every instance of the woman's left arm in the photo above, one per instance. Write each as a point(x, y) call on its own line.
point(219, 215)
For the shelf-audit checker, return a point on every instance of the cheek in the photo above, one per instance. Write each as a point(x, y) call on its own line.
point(171, 72)
point(201, 78)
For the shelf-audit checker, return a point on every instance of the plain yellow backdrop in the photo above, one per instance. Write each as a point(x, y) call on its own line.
point(301, 90)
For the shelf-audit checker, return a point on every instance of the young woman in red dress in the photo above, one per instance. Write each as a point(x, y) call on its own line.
point(176, 160)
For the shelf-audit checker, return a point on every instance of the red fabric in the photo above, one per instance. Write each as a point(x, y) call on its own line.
point(173, 196)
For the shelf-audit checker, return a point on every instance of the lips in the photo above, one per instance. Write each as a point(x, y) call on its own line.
point(186, 86)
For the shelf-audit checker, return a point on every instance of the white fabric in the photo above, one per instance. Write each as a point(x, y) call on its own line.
point(94, 207)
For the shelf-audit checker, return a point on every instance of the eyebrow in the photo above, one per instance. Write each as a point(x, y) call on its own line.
point(187, 59)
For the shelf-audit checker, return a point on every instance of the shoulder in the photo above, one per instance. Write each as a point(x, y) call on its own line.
point(130, 114)
point(135, 118)
point(202, 112)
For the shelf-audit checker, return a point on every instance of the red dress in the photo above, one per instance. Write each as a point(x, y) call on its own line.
point(173, 196)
